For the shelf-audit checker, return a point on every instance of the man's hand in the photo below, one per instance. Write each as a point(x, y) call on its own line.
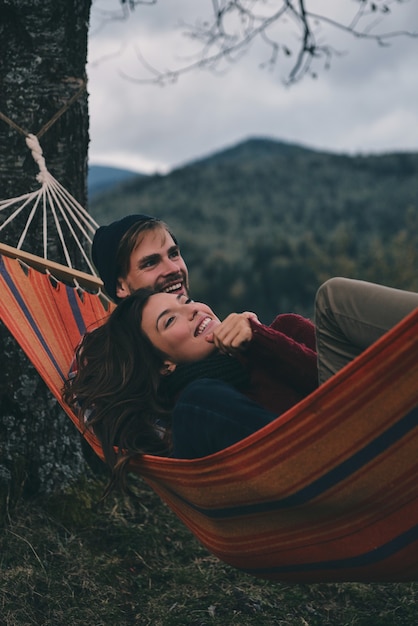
point(234, 333)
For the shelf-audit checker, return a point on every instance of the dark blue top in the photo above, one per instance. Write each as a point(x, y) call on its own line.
point(211, 415)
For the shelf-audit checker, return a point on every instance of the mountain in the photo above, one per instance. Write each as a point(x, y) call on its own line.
point(263, 223)
point(103, 178)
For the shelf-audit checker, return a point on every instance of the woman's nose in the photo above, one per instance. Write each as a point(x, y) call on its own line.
point(191, 310)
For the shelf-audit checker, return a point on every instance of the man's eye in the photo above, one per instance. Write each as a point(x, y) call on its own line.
point(174, 254)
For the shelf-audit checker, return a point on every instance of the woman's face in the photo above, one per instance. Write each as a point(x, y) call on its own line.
point(179, 327)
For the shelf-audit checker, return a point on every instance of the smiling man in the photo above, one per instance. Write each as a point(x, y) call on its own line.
point(139, 251)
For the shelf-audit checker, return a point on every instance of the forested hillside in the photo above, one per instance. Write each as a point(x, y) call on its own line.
point(262, 224)
point(101, 178)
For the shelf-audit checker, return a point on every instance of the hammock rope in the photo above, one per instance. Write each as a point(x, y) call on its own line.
point(51, 198)
point(82, 86)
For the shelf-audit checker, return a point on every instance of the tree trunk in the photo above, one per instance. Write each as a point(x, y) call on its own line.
point(43, 50)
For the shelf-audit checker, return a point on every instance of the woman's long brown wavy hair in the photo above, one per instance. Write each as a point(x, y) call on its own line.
point(116, 387)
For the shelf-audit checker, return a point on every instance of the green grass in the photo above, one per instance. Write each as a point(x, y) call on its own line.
point(67, 560)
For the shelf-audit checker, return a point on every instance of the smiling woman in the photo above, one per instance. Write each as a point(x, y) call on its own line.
point(132, 370)
point(179, 328)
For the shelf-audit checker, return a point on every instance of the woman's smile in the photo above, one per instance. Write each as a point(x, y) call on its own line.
point(178, 327)
point(202, 327)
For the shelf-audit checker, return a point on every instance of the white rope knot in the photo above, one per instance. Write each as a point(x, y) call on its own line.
point(56, 208)
point(37, 154)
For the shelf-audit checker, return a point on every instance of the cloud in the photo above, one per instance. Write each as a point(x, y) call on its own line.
point(366, 102)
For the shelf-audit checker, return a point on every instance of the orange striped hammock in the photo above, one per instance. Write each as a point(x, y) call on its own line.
point(326, 492)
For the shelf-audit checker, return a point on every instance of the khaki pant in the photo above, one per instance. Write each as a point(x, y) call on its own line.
point(352, 314)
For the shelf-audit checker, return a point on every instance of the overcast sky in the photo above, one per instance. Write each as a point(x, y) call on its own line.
point(367, 102)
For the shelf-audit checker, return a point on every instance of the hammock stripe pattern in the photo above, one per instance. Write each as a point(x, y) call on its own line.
point(327, 492)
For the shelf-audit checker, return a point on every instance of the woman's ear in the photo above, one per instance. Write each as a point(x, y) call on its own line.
point(167, 368)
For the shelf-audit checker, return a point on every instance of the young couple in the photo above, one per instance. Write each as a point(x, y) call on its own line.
point(164, 375)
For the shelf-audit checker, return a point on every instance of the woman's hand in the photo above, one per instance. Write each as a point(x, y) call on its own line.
point(234, 333)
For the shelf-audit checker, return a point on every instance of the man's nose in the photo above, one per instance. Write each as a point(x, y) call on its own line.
point(170, 266)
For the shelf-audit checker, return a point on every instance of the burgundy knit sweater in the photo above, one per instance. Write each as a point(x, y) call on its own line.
point(283, 362)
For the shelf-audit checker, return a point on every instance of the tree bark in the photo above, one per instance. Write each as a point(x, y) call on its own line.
point(43, 51)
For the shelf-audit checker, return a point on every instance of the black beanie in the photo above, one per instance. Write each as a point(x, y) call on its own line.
point(105, 246)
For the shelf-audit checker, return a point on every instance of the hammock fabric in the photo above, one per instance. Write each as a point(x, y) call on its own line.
point(327, 492)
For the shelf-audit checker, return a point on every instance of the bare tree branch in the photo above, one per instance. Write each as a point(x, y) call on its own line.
point(236, 25)
point(122, 13)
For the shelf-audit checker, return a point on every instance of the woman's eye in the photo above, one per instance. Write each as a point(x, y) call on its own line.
point(169, 321)
point(188, 300)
